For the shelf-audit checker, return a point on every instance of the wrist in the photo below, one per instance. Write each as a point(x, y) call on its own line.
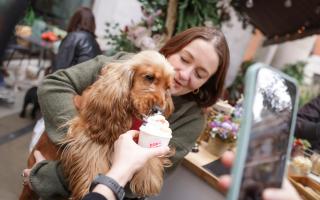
point(121, 176)
point(105, 191)
point(100, 183)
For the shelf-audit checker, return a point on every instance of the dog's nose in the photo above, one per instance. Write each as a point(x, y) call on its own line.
point(156, 109)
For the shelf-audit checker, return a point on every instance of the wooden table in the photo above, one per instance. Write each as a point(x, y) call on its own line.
point(196, 161)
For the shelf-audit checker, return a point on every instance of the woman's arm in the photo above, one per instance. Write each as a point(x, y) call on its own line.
point(308, 121)
point(58, 89)
point(66, 52)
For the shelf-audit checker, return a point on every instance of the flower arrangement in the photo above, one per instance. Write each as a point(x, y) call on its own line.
point(147, 34)
point(162, 19)
point(301, 144)
point(226, 126)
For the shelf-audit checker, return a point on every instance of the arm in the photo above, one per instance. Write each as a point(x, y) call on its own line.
point(57, 91)
point(287, 191)
point(128, 157)
point(308, 121)
point(66, 52)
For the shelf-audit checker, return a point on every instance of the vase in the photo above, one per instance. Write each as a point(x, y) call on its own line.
point(217, 147)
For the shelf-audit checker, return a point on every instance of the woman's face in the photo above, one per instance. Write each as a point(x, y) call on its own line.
point(194, 65)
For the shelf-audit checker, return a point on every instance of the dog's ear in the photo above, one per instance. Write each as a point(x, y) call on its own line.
point(169, 107)
point(108, 101)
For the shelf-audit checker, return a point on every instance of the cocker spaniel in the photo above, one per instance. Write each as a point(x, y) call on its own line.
point(124, 93)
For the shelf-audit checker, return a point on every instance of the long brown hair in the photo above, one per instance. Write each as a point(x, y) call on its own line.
point(82, 19)
point(209, 92)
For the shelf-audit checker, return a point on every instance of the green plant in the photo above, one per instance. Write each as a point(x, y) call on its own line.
point(29, 17)
point(145, 34)
point(150, 32)
point(307, 93)
point(150, 7)
point(295, 70)
point(118, 39)
point(235, 90)
point(196, 13)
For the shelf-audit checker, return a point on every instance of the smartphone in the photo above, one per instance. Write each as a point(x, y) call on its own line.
point(266, 132)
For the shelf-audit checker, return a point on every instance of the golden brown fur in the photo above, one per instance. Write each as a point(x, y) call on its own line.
point(106, 109)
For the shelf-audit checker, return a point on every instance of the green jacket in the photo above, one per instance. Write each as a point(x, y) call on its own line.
point(56, 102)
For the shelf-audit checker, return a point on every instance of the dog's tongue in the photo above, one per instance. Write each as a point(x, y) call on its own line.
point(136, 123)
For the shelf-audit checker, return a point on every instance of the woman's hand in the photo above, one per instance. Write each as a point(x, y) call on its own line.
point(26, 172)
point(128, 157)
point(286, 192)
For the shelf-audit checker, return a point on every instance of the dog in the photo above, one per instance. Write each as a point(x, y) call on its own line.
point(30, 97)
point(125, 92)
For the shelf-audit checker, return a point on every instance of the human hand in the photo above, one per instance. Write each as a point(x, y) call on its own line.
point(286, 192)
point(129, 157)
point(26, 172)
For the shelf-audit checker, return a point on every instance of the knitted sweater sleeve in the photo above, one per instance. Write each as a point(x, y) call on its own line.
point(58, 89)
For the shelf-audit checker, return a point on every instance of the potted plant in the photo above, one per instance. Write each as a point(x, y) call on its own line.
point(224, 131)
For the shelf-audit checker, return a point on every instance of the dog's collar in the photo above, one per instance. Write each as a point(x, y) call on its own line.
point(136, 123)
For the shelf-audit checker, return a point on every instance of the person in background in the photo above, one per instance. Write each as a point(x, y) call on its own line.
point(285, 193)
point(308, 123)
point(11, 11)
point(80, 43)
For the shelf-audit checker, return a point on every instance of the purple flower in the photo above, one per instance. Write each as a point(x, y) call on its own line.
point(226, 125)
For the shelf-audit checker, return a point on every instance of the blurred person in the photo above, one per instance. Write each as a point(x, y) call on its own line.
point(80, 43)
point(10, 14)
point(308, 123)
point(285, 193)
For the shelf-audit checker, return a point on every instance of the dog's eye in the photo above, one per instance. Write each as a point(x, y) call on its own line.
point(149, 77)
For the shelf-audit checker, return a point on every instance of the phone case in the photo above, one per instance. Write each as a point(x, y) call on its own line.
point(246, 123)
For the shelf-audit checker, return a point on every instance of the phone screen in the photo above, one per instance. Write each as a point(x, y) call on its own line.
point(272, 113)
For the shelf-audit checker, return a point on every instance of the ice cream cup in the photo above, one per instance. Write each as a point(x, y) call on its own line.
point(150, 140)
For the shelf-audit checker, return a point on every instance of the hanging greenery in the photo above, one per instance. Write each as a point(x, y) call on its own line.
point(162, 19)
point(29, 17)
point(235, 90)
point(150, 7)
point(198, 13)
point(295, 70)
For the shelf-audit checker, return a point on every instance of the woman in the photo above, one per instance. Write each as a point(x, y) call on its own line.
point(200, 57)
point(80, 44)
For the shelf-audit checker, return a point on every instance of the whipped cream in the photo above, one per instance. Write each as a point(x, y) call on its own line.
point(157, 125)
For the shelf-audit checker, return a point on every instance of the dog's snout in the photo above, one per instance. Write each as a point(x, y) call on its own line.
point(156, 109)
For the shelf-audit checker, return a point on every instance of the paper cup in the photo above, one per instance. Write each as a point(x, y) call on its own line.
point(147, 140)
